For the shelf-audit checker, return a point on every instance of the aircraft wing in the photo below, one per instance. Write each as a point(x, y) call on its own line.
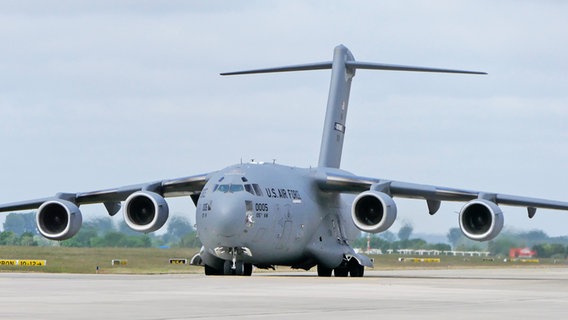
point(341, 181)
point(111, 198)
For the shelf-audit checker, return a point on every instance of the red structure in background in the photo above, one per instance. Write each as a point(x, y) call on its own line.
point(521, 253)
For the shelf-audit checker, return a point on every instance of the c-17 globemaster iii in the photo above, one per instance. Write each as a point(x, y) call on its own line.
point(266, 214)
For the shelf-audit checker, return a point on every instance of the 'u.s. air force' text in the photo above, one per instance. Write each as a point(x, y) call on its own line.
point(283, 193)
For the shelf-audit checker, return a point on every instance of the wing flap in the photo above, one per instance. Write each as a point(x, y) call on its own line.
point(23, 205)
point(168, 188)
point(111, 198)
point(108, 195)
point(342, 181)
point(349, 183)
point(531, 202)
point(184, 186)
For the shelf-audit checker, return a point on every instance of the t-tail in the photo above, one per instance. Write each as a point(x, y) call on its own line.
point(343, 68)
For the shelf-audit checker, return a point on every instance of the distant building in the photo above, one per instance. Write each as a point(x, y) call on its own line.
point(521, 253)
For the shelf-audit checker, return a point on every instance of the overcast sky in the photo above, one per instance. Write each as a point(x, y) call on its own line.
point(98, 94)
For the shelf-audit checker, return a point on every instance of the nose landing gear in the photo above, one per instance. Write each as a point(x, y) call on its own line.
point(237, 268)
point(226, 261)
point(234, 267)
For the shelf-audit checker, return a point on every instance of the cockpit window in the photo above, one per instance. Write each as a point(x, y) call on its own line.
point(230, 188)
point(223, 188)
point(236, 188)
point(253, 189)
point(257, 189)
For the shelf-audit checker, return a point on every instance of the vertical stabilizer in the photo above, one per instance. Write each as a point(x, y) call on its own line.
point(336, 112)
point(343, 69)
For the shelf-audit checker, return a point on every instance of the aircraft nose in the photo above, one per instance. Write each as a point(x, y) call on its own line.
point(228, 216)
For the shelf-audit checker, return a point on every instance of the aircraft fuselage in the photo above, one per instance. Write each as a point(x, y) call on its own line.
point(268, 214)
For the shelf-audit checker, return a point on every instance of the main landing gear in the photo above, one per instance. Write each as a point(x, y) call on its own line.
point(352, 268)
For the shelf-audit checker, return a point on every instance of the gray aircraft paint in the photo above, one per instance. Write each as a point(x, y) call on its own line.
point(266, 214)
point(336, 112)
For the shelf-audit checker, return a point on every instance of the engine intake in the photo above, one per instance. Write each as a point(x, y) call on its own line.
point(145, 211)
point(58, 219)
point(373, 211)
point(481, 220)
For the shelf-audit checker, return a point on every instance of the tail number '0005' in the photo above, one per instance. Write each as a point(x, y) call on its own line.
point(261, 210)
point(261, 206)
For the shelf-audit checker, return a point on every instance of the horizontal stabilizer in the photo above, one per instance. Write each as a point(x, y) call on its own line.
point(350, 64)
point(394, 67)
point(299, 67)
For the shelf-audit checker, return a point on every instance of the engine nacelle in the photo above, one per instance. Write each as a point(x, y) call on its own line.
point(58, 219)
point(373, 211)
point(145, 211)
point(481, 220)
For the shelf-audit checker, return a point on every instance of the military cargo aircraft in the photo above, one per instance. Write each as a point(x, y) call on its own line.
point(265, 214)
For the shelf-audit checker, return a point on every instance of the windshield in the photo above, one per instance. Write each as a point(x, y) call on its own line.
point(230, 188)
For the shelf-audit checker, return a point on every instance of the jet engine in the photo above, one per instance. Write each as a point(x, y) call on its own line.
point(58, 219)
point(373, 211)
point(481, 220)
point(145, 211)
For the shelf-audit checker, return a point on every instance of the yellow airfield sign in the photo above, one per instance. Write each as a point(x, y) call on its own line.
point(22, 262)
point(178, 261)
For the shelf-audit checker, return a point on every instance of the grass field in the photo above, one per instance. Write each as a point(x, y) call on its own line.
point(153, 260)
point(86, 260)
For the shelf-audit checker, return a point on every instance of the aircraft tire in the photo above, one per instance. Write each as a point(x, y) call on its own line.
point(356, 270)
point(323, 271)
point(341, 272)
point(247, 269)
point(227, 268)
point(240, 268)
point(211, 271)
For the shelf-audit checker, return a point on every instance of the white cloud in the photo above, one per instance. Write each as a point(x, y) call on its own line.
point(97, 94)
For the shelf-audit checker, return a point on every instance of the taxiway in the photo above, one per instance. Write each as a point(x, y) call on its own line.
point(522, 293)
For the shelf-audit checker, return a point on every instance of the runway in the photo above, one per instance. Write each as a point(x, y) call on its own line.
point(522, 293)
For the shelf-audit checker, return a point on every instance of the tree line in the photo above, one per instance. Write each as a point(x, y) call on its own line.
point(537, 240)
point(20, 229)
